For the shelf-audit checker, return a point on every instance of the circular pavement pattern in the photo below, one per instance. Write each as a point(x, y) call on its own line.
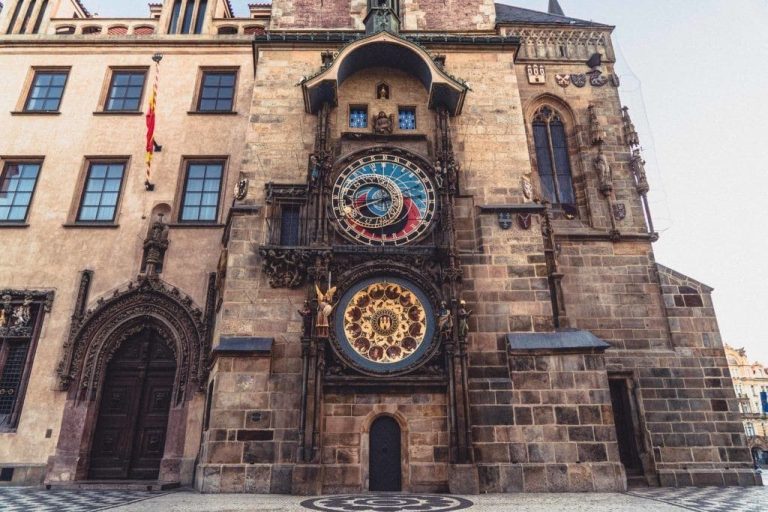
point(387, 503)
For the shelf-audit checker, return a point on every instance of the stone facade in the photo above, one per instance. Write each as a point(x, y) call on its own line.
point(564, 358)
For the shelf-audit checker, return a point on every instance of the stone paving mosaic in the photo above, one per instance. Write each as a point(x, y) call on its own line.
point(387, 503)
point(26, 499)
point(710, 499)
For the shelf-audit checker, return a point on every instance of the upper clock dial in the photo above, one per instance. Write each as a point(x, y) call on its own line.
point(383, 200)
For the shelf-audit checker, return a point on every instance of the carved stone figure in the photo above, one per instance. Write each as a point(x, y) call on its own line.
point(22, 314)
point(306, 319)
point(382, 92)
point(383, 125)
point(638, 170)
point(444, 319)
point(603, 169)
point(596, 134)
point(464, 315)
point(241, 189)
point(630, 133)
point(324, 309)
point(527, 187)
point(3, 319)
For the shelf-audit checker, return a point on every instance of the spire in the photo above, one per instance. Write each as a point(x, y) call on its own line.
point(554, 8)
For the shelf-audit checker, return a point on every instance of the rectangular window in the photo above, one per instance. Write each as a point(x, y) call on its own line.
point(358, 117)
point(202, 186)
point(17, 184)
point(289, 225)
point(217, 91)
point(407, 118)
point(46, 92)
point(101, 193)
point(125, 91)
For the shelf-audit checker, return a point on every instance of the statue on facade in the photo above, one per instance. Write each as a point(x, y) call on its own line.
point(464, 315)
point(383, 125)
point(603, 169)
point(324, 310)
point(306, 319)
point(444, 320)
point(595, 130)
point(637, 164)
point(3, 319)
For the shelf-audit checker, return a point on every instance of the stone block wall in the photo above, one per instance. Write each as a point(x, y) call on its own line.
point(551, 430)
point(347, 418)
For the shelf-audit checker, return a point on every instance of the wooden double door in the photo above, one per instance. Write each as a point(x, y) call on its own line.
point(129, 440)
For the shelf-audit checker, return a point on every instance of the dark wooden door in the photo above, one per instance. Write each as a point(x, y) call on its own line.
point(133, 415)
point(625, 421)
point(384, 460)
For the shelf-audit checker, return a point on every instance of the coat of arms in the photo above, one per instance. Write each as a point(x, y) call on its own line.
point(563, 80)
point(579, 80)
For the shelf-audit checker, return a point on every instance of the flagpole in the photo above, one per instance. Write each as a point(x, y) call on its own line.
point(151, 145)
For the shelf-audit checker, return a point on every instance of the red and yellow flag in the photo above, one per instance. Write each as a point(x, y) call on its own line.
point(151, 121)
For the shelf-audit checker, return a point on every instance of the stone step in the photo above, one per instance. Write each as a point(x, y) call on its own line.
point(114, 485)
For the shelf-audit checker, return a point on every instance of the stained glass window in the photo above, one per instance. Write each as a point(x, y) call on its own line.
point(217, 92)
point(125, 90)
point(102, 190)
point(407, 118)
point(552, 157)
point(46, 92)
point(17, 184)
point(358, 117)
point(201, 192)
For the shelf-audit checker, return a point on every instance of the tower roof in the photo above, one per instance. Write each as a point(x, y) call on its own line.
point(511, 14)
point(554, 8)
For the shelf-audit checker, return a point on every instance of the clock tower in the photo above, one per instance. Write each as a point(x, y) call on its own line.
point(382, 15)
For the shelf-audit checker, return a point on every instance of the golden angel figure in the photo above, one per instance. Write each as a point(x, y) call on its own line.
point(324, 308)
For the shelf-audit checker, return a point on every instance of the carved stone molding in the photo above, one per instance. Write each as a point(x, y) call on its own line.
point(147, 302)
point(561, 44)
point(285, 267)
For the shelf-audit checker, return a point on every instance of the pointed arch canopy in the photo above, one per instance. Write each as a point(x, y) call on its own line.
point(384, 49)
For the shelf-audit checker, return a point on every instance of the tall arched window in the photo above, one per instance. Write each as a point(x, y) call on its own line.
point(552, 157)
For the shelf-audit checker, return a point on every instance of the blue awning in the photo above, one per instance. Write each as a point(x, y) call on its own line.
point(565, 340)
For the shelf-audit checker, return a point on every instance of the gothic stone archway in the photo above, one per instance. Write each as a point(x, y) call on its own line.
point(96, 336)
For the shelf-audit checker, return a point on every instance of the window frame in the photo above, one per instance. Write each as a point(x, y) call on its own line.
point(6, 162)
point(412, 108)
point(201, 85)
point(31, 86)
point(42, 302)
point(358, 106)
point(90, 163)
point(184, 183)
point(550, 147)
point(110, 79)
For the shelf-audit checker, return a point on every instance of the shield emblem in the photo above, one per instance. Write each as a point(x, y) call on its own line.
point(563, 80)
point(524, 220)
point(619, 211)
point(579, 80)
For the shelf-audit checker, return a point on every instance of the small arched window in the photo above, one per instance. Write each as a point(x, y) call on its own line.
point(552, 158)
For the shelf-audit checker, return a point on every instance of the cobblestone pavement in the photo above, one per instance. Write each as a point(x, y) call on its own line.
point(711, 499)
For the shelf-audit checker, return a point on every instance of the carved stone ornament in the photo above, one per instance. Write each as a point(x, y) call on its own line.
point(596, 133)
point(604, 175)
point(527, 187)
point(563, 80)
point(596, 78)
point(384, 124)
point(637, 165)
point(579, 80)
point(505, 220)
point(536, 74)
point(615, 80)
point(16, 312)
point(241, 189)
point(147, 302)
point(619, 211)
point(285, 268)
point(630, 133)
point(382, 91)
point(524, 221)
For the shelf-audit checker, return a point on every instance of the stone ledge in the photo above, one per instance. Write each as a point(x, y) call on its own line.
point(560, 341)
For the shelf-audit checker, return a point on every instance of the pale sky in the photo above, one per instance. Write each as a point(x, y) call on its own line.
point(693, 74)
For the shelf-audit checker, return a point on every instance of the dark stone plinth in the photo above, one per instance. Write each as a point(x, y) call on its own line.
point(307, 480)
point(463, 479)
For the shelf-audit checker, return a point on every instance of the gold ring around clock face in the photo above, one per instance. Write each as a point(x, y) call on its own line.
point(383, 200)
point(384, 322)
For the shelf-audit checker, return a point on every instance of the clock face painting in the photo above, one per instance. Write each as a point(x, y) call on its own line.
point(384, 325)
point(383, 200)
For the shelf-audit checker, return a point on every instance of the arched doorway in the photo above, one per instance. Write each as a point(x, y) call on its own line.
point(385, 472)
point(129, 439)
